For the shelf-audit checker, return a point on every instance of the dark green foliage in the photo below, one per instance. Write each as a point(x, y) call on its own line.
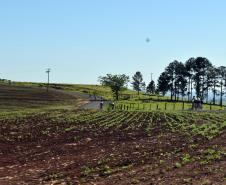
point(222, 76)
point(200, 68)
point(175, 76)
point(163, 83)
point(151, 87)
point(189, 70)
point(138, 83)
point(115, 82)
point(196, 74)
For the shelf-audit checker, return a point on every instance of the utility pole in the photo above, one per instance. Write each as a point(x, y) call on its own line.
point(48, 71)
point(151, 76)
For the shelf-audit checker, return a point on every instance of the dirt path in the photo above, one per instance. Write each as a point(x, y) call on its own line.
point(94, 105)
point(92, 102)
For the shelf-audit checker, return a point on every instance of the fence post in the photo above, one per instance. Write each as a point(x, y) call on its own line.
point(210, 106)
point(174, 106)
point(143, 106)
point(183, 105)
point(157, 107)
point(150, 106)
point(165, 105)
point(138, 106)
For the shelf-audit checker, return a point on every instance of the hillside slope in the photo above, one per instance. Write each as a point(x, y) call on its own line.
point(15, 97)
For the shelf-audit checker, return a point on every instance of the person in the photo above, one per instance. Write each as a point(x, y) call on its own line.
point(112, 105)
point(201, 103)
point(94, 95)
point(193, 103)
point(198, 103)
point(101, 105)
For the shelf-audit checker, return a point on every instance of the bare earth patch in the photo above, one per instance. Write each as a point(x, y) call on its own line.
point(45, 151)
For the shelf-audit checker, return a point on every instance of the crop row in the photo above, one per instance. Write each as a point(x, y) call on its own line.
point(206, 124)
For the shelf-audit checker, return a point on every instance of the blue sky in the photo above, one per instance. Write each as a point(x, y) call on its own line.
point(83, 39)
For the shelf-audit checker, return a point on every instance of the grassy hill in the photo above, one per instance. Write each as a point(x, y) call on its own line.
point(98, 90)
point(19, 97)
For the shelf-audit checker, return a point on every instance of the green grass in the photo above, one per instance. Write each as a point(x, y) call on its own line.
point(205, 124)
point(98, 90)
point(136, 102)
point(20, 98)
point(164, 106)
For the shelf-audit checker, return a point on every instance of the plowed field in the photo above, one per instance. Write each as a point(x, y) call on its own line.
point(91, 147)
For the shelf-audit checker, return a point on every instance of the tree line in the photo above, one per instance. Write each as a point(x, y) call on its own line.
point(196, 77)
point(119, 83)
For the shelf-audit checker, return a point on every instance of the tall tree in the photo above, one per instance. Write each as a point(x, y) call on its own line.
point(222, 76)
point(116, 82)
point(208, 84)
point(181, 81)
point(138, 83)
point(200, 68)
point(151, 87)
point(177, 74)
point(171, 73)
point(164, 83)
point(189, 68)
point(214, 81)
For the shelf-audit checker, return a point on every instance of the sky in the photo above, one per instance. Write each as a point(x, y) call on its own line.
point(81, 40)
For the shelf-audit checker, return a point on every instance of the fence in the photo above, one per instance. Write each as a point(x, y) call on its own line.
point(162, 106)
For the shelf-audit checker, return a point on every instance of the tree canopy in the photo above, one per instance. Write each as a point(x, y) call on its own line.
point(138, 83)
point(195, 74)
point(151, 87)
point(115, 82)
